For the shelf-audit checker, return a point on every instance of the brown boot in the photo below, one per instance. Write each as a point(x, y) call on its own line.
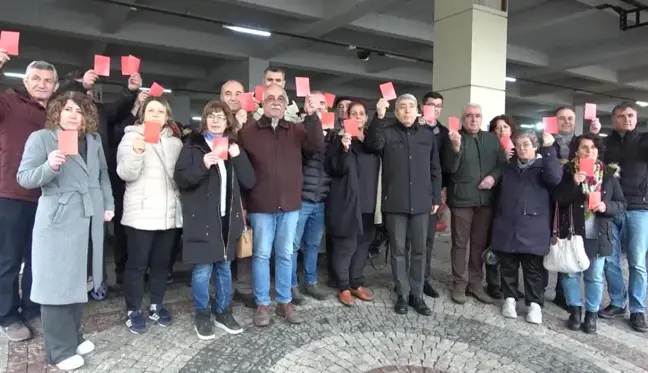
point(477, 292)
point(459, 294)
point(262, 316)
point(288, 311)
point(346, 298)
point(362, 294)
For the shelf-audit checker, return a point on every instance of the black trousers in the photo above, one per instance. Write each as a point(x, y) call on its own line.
point(16, 225)
point(493, 275)
point(402, 228)
point(532, 273)
point(350, 255)
point(147, 249)
point(62, 331)
point(120, 252)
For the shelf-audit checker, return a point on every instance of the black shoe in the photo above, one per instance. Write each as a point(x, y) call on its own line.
point(610, 312)
point(560, 301)
point(160, 315)
point(226, 321)
point(419, 305)
point(589, 325)
point(203, 325)
point(170, 280)
point(494, 292)
point(401, 305)
point(429, 290)
point(574, 321)
point(638, 322)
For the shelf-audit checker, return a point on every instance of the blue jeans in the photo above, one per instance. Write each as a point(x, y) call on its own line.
point(593, 277)
point(310, 228)
point(273, 230)
point(630, 229)
point(200, 276)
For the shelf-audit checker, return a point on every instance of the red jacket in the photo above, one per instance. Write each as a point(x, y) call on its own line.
point(19, 117)
point(276, 156)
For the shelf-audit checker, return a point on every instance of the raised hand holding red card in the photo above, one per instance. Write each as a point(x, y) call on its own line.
point(550, 125)
point(388, 91)
point(303, 86)
point(593, 200)
point(590, 112)
point(68, 142)
point(586, 166)
point(453, 124)
point(351, 127)
point(10, 41)
point(152, 132)
point(328, 120)
point(220, 147)
point(156, 90)
point(247, 102)
point(506, 142)
point(102, 65)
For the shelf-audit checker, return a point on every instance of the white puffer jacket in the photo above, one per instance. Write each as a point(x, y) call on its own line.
point(150, 198)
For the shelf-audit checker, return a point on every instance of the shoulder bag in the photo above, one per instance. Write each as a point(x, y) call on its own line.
point(566, 255)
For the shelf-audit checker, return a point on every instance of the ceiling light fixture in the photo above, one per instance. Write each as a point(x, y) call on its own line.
point(642, 103)
point(15, 75)
point(196, 118)
point(247, 30)
point(510, 79)
point(148, 89)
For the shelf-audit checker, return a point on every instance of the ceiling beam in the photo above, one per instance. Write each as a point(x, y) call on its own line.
point(114, 17)
point(219, 74)
point(546, 15)
point(633, 74)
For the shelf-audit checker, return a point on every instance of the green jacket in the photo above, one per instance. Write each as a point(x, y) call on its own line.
point(480, 155)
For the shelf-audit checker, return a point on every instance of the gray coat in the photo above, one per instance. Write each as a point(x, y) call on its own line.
point(71, 198)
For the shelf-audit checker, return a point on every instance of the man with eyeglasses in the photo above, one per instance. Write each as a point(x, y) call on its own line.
point(274, 75)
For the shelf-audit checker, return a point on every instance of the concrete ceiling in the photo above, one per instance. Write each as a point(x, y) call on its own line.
point(562, 52)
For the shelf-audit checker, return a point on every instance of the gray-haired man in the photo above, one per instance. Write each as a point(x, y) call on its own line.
point(411, 192)
point(21, 113)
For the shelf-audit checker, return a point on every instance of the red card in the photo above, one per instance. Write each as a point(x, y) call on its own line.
point(428, 113)
point(453, 124)
point(102, 65)
point(586, 165)
point(152, 132)
point(247, 102)
point(156, 90)
point(303, 86)
point(328, 120)
point(9, 41)
point(388, 91)
point(550, 125)
point(506, 142)
point(130, 65)
point(258, 93)
point(68, 142)
point(593, 198)
point(351, 127)
point(590, 112)
point(330, 99)
point(220, 146)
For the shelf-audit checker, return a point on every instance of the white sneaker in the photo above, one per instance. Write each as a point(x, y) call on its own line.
point(508, 308)
point(85, 348)
point(535, 314)
point(71, 363)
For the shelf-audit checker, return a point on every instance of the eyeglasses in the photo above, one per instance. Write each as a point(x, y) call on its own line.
point(438, 106)
point(216, 118)
point(525, 145)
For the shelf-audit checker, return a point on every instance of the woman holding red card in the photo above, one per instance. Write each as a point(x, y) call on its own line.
point(152, 213)
point(210, 173)
point(593, 197)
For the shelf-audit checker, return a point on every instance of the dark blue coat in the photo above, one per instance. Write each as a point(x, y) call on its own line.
point(522, 221)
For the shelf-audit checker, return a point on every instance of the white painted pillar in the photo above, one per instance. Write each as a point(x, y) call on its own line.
point(470, 56)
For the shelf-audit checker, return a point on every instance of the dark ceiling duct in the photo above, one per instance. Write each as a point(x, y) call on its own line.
point(629, 18)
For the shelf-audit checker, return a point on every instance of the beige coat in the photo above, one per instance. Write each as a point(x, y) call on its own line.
point(150, 198)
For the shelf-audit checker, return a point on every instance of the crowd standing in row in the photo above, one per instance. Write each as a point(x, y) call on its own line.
point(292, 181)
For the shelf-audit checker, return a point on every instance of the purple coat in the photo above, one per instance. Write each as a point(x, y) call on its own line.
point(522, 216)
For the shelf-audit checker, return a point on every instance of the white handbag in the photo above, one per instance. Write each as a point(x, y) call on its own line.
point(566, 255)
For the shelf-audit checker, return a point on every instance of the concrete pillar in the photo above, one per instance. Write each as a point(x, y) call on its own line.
point(470, 56)
point(255, 69)
point(580, 127)
point(181, 108)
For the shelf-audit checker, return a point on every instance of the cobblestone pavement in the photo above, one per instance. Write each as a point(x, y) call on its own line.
point(367, 338)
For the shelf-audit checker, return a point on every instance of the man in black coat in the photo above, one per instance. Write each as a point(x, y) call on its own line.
point(411, 191)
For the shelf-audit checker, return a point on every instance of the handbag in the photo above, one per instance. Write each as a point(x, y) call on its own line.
point(566, 255)
point(244, 247)
point(178, 204)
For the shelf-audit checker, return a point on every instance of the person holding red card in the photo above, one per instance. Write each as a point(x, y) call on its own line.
point(22, 111)
point(231, 93)
point(152, 214)
point(274, 75)
point(210, 172)
point(593, 224)
point(411, 191)
point(68, 235)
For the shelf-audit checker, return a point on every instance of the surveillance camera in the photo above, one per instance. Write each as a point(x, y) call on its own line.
point(364, 55)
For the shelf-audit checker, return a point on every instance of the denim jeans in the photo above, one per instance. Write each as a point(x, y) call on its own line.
point(310, 229)
point(200, 276)
point(593, 278)
point(273, 231)
point(629, 229)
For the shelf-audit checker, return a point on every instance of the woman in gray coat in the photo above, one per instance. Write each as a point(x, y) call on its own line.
point(68, 236)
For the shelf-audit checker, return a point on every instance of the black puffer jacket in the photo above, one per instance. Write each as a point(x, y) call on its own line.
point(317, 181)
point(631, 153)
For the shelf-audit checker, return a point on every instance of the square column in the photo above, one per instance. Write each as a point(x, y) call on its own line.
point(255, 69)
point(470, 56)
point(181, 108)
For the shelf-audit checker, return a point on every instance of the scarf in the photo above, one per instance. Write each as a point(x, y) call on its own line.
point(592, 183)
point(563, 144)
point(527, 164)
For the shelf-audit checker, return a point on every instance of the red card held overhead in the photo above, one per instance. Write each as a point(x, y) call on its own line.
point(102, 65)
point(351, 127)
point(152, 132)
point(330, 99)
point(590, 112)
point(453, 124)
point(506, 142)
point(550, 125)
point(220, 146)
point(258, 93)
point(388, 91)
point(303, 86)
point(593, 199)
point(428, 113)
point(156, 90)
point(328, 120)
point(10, 41)
point(68, 142)
point(586, 165)
point(130, 65)
point(247, 102)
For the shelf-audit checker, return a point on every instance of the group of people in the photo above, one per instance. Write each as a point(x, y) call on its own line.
point(278, 171)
